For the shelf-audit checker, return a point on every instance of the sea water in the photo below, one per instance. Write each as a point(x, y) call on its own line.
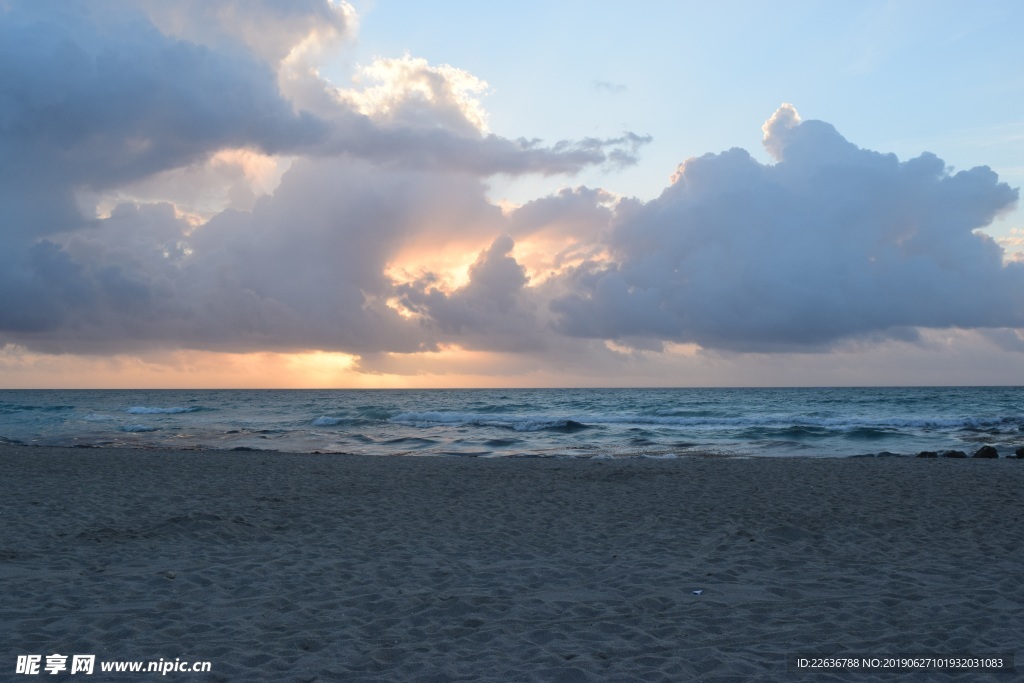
point(526, 422)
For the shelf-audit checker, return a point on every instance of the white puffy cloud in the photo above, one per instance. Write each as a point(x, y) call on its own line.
point(831, 242)
point(410, 92)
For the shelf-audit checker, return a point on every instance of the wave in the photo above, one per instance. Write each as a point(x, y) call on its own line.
point(412, 440)
point(372, 413)
point(523, 423)
point(854, 427)
point(8, 408)
point(811, 424)
point(549, 423)
point(870, 433)
point(502, 442)
point(146, 410)
point(567, 426)
point(349, 422)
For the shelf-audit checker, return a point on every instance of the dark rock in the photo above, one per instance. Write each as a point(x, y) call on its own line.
point(986, 452)
point(927, 454)
point(953, 454)
point(887, 454)
point(1020, 453)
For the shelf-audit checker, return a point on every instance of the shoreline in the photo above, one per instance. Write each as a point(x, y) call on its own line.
point(359, 568)
point(563, 454)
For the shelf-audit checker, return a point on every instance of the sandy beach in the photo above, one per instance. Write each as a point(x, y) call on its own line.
point(277, 567)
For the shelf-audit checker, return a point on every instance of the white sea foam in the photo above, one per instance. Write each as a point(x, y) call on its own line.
point(327, 421)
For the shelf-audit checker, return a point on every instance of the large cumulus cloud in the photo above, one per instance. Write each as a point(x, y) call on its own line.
point(831, 242)
point(96, 97)
point(304, 269)
point(828, 244)
point(89, 99)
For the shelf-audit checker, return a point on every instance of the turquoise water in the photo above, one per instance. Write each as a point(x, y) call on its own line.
point(527, 422)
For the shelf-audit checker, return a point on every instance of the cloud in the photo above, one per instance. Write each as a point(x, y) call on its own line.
point(502, 306)
point(100, 103)
point(493, 311)
point(229, 178)
point(92, 97)
point(440, 149)
point(304, 269)
point(407, 111)
point(832, 242)
point(167, 115)
point(179, 176)
point(94, 100)
point(410, 92)
point(273, 30)
point(608, 86)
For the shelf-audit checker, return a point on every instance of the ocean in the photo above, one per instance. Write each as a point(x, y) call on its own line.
point(600, 423)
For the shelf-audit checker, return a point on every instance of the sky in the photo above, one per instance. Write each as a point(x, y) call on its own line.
point(250, 193)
